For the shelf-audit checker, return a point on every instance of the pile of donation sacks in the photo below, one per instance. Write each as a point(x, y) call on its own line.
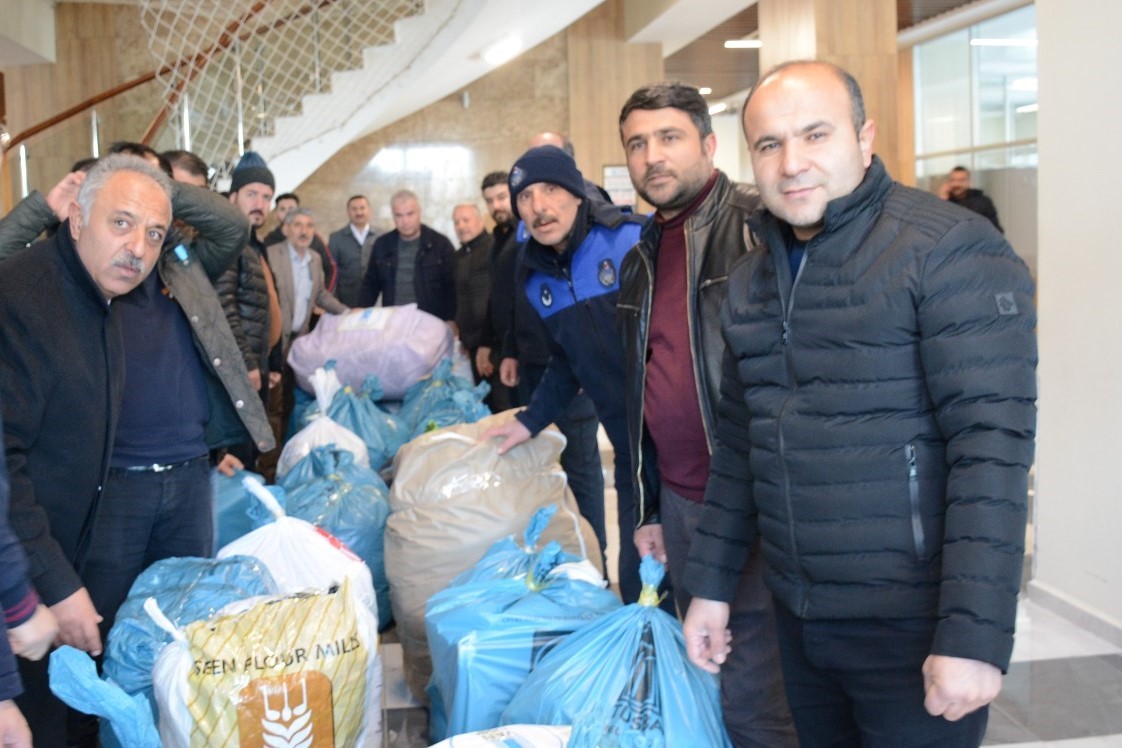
point(275, 641)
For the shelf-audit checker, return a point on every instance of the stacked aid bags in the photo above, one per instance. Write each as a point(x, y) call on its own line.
point(322, 431)
point(299, 555)
point(443, 399)
point(328, 490)
point(398, 344)
point(298, 670)
point(485, 636)
point(187, 590)
point(452, 497)
point(624, 680)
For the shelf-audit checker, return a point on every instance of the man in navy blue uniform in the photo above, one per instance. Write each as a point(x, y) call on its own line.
point(569, 271)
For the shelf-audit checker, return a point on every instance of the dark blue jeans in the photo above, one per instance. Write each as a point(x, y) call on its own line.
point(581, 458)
point(145, 517)
point(859, 683)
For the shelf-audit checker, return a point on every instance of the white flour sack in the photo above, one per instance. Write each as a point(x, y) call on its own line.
point(300, 671)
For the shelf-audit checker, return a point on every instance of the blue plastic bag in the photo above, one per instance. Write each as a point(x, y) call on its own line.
point(381, 432)
point(329, 490)
point(625, 681)
point(485, 637)
point(231, 505)
point(441, 400)
point(506, 559)
point(73, 679)
point(187, 590)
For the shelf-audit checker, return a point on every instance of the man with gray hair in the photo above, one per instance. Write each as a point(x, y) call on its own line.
point(62, 378)
point(411, 264)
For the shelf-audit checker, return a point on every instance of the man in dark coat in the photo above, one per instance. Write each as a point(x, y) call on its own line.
point(61, 382)
point(875, 431)
point(411, 264)
point(958, 190)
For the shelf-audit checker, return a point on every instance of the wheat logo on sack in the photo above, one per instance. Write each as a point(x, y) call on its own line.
point(289, 711)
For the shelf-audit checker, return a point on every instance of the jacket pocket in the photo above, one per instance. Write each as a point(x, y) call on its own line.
point(919, 538)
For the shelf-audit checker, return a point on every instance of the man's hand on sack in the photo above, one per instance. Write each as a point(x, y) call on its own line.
point(708, 640)
point(483, 361)
point(956, 686)
point(229, 465)
point(33, 638)
point(512, 434)
point(77, 622)
point(648, 541)
point(508, 372)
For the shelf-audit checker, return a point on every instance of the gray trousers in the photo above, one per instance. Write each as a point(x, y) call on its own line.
point(752, 695)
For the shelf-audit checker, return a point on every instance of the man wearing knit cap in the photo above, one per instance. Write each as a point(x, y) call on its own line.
point(569, 271)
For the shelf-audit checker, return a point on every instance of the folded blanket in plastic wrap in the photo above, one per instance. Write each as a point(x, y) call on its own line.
point(452, 497)
point(486, 635)
point(327, 489)
point(398, 344)
point(299, 670)
point(624, 680)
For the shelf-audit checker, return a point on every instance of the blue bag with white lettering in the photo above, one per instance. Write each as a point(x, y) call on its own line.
point(485, 636)
point(624, 680)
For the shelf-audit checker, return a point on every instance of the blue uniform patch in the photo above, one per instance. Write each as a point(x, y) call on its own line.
point(593, 272)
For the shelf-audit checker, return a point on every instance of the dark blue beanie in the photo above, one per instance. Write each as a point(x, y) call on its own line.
point(251, 169)
point(546, 163)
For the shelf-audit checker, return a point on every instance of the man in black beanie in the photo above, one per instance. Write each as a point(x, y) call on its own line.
point(569, 271)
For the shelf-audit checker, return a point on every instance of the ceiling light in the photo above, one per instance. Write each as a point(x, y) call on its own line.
point(1023, 84)
point(1003, 42)
point(705, 90)
point(718, 108)
point(503, 51)
point(1027, 108)
point(743, 44)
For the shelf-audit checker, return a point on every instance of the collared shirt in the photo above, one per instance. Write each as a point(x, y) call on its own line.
point(360, 235)
point(301, 286)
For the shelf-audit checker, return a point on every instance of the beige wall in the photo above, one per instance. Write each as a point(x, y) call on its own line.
point(562, 84)
point(98, 46)
point(1078, 488)
point(505, 108)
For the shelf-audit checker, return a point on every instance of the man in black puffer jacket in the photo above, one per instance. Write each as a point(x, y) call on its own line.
point(876, 428)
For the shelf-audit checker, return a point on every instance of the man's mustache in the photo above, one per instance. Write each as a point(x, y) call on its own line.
point(129, 262)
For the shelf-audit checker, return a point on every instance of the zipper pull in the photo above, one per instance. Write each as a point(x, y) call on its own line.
point(786, 332)
point(910, 452)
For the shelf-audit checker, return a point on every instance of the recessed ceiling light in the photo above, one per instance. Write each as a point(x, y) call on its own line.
point(718, 108)
point(743, 44)
point(705, 90)
point(503, 51)
point(1027, 108)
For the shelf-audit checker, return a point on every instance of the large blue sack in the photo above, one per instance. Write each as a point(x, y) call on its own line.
point(187, 590)
point(231, 506)
point(485, 636)
point(329, 490)
point(73, 679)
point(625, 681)
point(443, 399)
point(359, 412)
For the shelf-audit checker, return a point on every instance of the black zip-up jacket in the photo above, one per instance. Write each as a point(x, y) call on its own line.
point(434, 281)
point(877, 419)
point(245, 299)
point(717, 236)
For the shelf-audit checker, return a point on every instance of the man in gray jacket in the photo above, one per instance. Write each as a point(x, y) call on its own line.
point(350, 246)
point(876, 428)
